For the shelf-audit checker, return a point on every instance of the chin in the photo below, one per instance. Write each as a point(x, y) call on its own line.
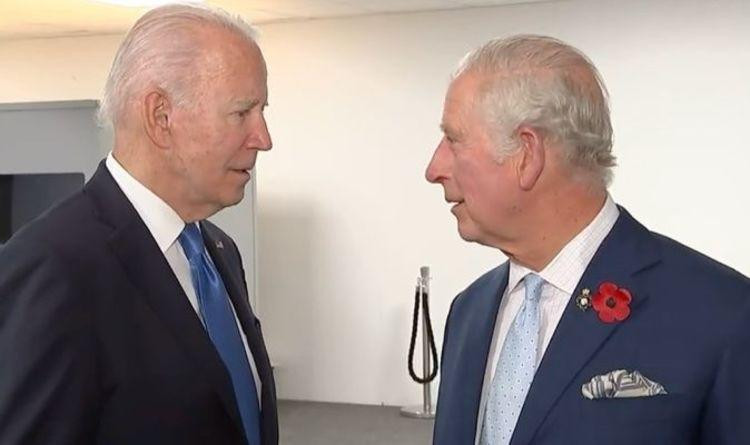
point(232, 199)
point(235, 200)
point(469, 238)
point(466, 233)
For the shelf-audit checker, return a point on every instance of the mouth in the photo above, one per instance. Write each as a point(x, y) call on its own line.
point(242, 171)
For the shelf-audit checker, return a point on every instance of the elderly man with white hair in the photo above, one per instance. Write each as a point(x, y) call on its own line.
point(596, 330)
point(124, 314)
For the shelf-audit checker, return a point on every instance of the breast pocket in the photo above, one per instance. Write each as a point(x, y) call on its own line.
point(635, 409)
point(663, 419)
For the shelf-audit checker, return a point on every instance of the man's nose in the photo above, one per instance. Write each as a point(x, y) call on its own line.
point(437, 167)
point(260, 138)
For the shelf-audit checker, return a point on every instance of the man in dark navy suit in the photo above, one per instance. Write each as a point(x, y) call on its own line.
point(596, 330)
point(124, 314)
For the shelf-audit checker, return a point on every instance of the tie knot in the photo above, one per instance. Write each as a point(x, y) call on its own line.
point(533, 283)
point(191, 241)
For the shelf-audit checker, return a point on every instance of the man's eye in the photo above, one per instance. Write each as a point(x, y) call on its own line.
point(243, 113)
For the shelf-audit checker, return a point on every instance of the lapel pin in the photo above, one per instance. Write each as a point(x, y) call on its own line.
point(583, 301)
point(612, 302)
point(219, 245)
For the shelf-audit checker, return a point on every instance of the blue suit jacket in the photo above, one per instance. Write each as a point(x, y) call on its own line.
point(689, 329)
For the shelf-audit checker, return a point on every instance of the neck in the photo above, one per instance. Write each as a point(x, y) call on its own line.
point(141, 162)
point(554, 221)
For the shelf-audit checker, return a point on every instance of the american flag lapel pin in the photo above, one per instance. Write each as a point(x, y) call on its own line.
point(219, 245)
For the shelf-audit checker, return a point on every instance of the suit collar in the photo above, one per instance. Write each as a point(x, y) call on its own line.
point(567, 267)
point(148, 270)
point(625, 252)
point(110, 204)
point(161, 220)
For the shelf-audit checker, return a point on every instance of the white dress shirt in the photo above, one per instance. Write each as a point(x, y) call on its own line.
point(165, 226)
point(561, 276)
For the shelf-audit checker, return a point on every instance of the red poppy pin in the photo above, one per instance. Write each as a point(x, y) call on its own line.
point(611, 302)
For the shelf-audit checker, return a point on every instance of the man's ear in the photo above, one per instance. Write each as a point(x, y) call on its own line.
point(156, 113)
point(531, 157)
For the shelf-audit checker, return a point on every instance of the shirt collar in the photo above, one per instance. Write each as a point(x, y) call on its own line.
point(161, 220)
point(566, 269)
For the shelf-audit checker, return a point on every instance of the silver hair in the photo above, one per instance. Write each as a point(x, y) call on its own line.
point(160, 50)
point(549, 85)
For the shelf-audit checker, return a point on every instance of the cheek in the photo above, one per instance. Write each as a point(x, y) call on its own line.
point(462, 174)
point(210, 147)
point(485, 192)
point(229, 142)
point(470, 179)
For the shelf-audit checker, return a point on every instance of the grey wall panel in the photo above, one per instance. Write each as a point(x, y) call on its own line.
point(50, 137)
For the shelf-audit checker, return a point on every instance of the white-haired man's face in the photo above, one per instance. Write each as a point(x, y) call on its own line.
point(484, 192)
point(218, 135)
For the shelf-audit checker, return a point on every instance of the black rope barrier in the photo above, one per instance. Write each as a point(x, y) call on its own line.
point(430, 339)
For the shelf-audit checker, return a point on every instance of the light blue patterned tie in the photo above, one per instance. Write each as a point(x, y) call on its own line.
point(515, 369)
point(214, 305)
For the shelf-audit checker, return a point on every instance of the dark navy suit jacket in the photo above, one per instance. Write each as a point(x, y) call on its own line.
point(100, 345)
point(689, 330)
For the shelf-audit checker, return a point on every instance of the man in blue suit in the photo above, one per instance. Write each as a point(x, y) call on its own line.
point(124, 314)
point(596, 330)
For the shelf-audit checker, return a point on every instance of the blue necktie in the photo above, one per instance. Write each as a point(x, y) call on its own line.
point(215, 309)
point(515, 369)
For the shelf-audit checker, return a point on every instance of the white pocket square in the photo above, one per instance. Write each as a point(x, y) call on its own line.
point(621, 384)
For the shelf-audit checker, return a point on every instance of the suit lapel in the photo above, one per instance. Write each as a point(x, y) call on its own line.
point(148, 270)
point(628, 249)
point(221, 258)
point(223, 255)
point(463, 371)
point(217, 249)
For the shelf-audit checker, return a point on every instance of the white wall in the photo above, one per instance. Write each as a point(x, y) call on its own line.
point(345, 217)
point(55, 69)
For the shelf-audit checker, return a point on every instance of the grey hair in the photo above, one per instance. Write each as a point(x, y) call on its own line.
point(160, 50)
point(549, 85)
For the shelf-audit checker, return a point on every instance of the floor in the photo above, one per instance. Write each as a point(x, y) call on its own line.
point(316, 423)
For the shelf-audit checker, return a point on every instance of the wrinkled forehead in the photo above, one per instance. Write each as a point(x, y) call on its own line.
point(220, 50)
point(229, 70)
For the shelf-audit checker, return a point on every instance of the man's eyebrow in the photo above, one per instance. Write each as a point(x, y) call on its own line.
point(448, 130)
point(246, 103)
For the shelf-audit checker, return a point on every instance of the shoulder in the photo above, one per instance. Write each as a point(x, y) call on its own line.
point(66, 239)
point(66, 223)
point(697, 294)
point(45, 266)
point(674, 274)
point(689, 269)
point(691, 260)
